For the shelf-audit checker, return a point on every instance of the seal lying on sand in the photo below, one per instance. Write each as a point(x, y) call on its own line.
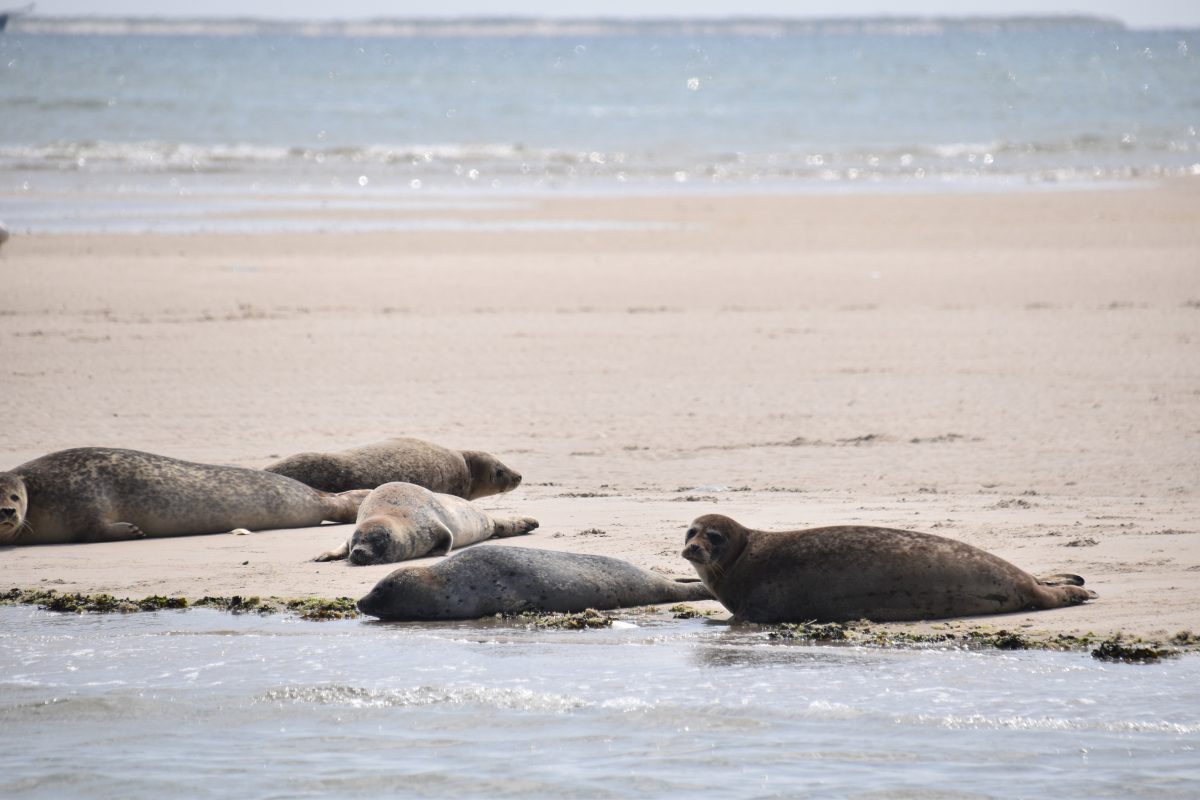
point(486, 580)
point(399, 521)
point(464, 473)
point(849, 572)
point(95, 494)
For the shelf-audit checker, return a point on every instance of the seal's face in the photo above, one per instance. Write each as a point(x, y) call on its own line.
point(13, 505)
point(408, 593)
point(370, 544)
point(507, 478)
point(705, 544)
point(488, 475)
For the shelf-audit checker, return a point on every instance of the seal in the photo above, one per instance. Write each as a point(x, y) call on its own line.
point(845, 573)
point(491, 580)
point(399, 521)
point(100, 494)
point(3, 234)
point(469, 474)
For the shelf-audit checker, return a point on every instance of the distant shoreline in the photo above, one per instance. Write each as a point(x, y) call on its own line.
point(533, 26)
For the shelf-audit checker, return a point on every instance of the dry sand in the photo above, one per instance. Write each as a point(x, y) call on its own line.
point(1018, 370)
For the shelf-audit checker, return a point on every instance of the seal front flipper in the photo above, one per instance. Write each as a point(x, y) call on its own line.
point(443, 540)
point(119, 532)
point(336, 554)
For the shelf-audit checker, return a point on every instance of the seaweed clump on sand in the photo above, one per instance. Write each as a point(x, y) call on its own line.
point(682, 611)
point(866, 633)
point(582, 620)
point(813, 631)
point(312, 608)
point(78, 603)
point(1137, 652)
point(320, 608)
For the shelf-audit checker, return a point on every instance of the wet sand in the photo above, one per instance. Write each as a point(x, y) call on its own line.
point(1015, 370)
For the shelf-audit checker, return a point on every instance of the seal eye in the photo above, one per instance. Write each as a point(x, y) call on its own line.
point(690, 533)
point(15, 499)
point(713, 537)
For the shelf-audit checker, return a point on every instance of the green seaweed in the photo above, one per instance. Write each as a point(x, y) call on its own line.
point(687, 612)
point(1136, 652)
point(589, 618)
point(320, 608)
point(813, 631)
point(865, 633)
point(313, 608)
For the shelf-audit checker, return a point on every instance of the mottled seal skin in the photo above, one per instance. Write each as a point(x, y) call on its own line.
point(848, 572)
point(487, 580)
point(399, 521)
point(96, 494)
point(469, 474)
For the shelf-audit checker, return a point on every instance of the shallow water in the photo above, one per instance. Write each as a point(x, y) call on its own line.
point(205, 704)
point(635, 107)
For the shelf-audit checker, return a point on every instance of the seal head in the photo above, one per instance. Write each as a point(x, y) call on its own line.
point(712, 543)
point(489, 475)
point(14, 502)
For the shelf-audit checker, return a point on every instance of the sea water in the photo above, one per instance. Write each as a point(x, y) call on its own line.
point(369, 114)
point(201, 703)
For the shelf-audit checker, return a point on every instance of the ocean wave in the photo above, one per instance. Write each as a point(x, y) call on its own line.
point(767, 27)
point(981, 722)
point(358, 697)
point(1082, 156)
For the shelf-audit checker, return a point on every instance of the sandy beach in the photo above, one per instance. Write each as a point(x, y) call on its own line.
point(1015, 370)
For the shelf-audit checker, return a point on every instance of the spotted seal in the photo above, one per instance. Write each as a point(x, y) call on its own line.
point(489, 580)
point(399, 521)
point(852, 572)
point(96, 494)
point(469, 474)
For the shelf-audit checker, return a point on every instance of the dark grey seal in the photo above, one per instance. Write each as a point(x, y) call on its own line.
point(487, 580)
point(850, 572)
point(97, 494)
point(399, 521)
point(470, 474)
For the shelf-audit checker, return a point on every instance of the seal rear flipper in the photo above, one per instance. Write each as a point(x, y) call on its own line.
point(343, 506)
point(337, 554)
point(1060, 579)
point(694, 589)
point(515, 526)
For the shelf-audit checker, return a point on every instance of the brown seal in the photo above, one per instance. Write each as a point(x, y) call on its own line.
point(851, 572)
point(489, 580)
point(399, 521)
point(470, 474)
point(95, 494)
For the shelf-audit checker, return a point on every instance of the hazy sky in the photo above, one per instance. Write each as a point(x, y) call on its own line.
point(1138, 13)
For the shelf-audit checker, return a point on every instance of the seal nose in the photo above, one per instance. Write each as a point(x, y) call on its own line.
point(8, 513)
point(691, 552)
point(360, 555)
point(369, 603)
point(516, 479)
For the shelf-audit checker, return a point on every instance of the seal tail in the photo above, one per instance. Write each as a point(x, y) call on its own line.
point(692, 589)
point(343, 506)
